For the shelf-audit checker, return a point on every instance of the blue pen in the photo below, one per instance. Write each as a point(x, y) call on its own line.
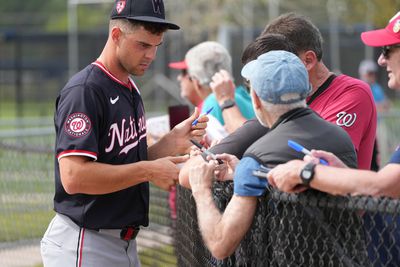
point(197, 120)
point(303, 150)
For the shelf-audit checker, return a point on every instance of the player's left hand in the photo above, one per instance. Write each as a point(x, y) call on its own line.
point(185, 131)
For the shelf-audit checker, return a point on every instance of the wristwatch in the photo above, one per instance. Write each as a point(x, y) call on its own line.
point(227, 104)
point(307, 173)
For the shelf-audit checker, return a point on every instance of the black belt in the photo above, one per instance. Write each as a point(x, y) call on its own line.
point(126, 233)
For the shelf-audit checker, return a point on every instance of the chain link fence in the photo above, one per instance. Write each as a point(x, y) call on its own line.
point(307, 229)
point(289, 230)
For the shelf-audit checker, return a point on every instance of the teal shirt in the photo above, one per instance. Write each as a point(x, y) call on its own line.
point(242, 99)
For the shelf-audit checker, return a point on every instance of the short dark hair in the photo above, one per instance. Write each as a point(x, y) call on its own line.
point(266, 43)
point(128, 25)
point(299, 30)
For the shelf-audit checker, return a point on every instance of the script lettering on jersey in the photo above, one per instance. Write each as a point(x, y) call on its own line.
point(346, 119)
point(126, 135)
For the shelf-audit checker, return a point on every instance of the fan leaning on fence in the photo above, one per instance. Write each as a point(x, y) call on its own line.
point(279, 86)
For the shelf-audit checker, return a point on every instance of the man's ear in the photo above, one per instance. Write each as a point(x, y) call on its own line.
point(309, 59)
point(197, 85)
point(256, 100)
point(116, 34)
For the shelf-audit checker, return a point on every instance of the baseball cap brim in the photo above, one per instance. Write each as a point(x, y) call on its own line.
point(180, 65)
point(381, 37)
point(170, 25)
point(248, 69)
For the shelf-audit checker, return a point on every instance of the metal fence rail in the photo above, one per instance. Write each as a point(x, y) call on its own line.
point(307, 229)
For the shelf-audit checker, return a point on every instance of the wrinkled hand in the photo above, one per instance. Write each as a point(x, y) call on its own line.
point(225, 172)
point(201, 176)
point(223, 86)
point(185, 131)
point(165, 171)
point(286, 177)
point(329, 157)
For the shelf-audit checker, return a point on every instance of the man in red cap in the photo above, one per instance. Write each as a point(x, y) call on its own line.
point(337, 178)
point(345, 181)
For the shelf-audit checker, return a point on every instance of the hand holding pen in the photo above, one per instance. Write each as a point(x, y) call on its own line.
point(203, 114)
point(300, 148)
point(205, 151)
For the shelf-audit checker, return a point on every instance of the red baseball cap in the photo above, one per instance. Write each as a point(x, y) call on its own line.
point(180, 65)
point(382, 37)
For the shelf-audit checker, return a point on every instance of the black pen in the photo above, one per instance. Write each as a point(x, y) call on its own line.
point(205, 151)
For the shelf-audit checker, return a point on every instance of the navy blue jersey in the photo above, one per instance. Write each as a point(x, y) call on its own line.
point(100, 117)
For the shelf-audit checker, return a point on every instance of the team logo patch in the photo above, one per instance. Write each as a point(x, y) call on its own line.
point(346, 119)
point(156, 6)
point(120, 6)
point(78, 125)
point(396, 26)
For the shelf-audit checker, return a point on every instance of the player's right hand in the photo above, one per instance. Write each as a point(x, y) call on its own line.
point(165, 171)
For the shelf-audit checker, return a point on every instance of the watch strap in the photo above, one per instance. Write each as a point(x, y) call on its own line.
point(307, 173)
point(227, 104)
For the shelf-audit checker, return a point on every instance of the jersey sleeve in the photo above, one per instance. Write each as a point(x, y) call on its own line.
point(353, 111)
point(77, 123)
point(244, 182)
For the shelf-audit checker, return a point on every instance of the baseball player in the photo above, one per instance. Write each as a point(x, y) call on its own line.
point(103, 164)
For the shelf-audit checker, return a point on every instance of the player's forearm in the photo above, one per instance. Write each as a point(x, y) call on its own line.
point(79, 175)
point(233, 118)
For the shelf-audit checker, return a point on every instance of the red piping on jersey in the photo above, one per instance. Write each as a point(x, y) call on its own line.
point(106, 71)
point(64, 153)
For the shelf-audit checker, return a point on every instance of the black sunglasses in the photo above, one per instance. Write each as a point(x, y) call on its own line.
point(387, 49)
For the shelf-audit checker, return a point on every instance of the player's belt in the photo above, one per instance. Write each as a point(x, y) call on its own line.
point(127, 233)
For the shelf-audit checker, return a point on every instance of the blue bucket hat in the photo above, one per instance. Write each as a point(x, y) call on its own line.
point(278, 77)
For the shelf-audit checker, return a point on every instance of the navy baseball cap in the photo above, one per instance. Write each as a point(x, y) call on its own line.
point(278, 77)
point(142, 10)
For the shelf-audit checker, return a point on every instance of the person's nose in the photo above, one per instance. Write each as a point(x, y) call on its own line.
point(382, 60)
point(151, 53)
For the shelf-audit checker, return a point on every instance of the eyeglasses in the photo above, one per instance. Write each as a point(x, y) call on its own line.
point(386, 50)
point(185, 73)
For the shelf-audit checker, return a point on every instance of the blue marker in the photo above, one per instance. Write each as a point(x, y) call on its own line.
point(303, 150)
point(197, 120)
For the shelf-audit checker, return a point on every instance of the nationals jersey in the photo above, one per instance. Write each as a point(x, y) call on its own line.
point(100, 117)
point(348, 103)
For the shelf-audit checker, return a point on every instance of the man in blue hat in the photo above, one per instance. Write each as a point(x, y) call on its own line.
point(103, 164)
point(279, 87)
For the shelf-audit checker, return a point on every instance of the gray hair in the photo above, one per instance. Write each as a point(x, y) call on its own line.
point(206, 59)
point(277, 110)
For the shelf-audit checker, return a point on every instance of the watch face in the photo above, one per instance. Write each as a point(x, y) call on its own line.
point(306, 174)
